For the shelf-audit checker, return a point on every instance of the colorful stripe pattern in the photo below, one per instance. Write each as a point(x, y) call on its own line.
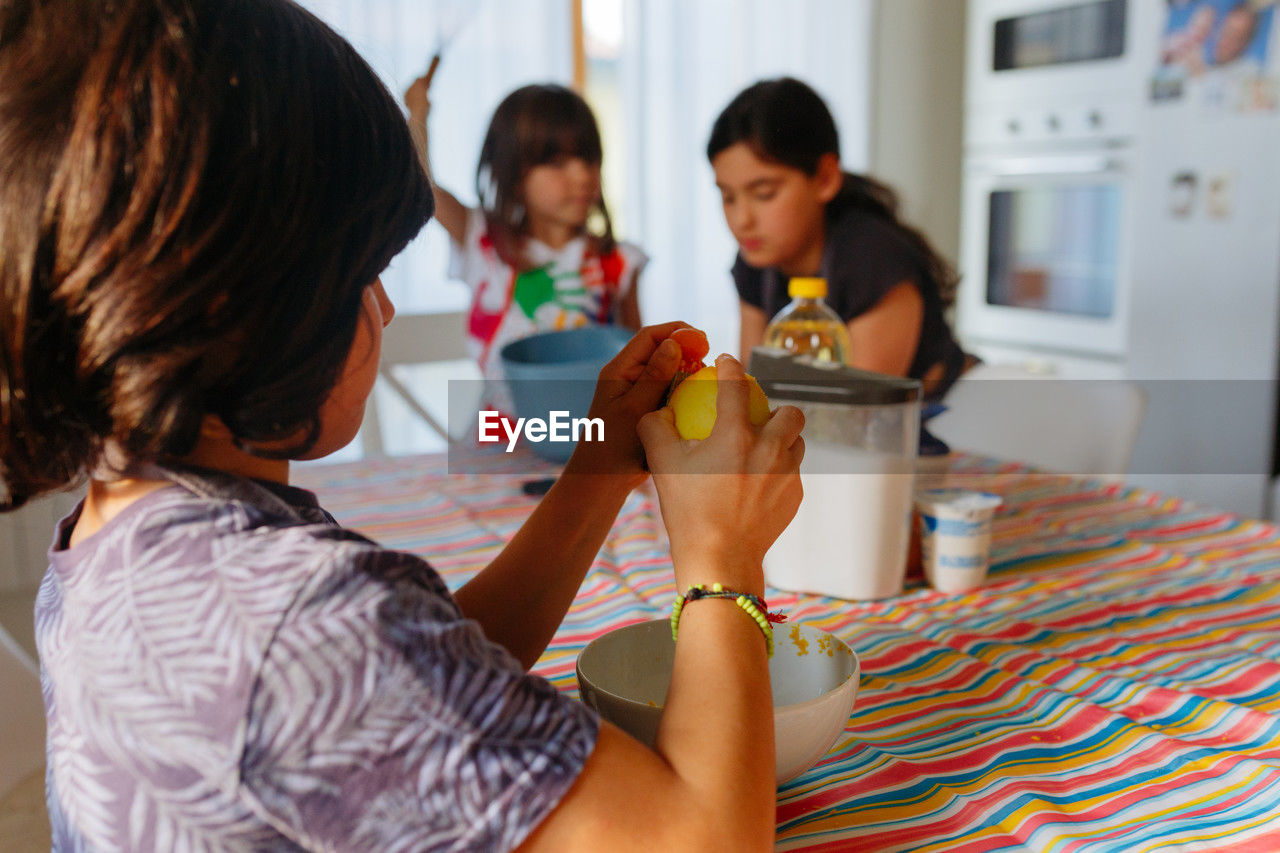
point(1114, 687)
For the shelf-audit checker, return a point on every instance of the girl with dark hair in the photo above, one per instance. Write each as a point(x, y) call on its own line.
point(196, 200)
point(538, 253)
point(794, 212)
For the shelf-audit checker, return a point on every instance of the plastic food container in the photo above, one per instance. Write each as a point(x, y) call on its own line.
point(850, 536)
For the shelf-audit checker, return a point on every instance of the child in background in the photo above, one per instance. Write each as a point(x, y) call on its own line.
point(539, 253)
point(794, 212)
point(224, 667)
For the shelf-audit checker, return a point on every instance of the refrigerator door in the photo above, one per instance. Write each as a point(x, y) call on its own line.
point(1206, 301)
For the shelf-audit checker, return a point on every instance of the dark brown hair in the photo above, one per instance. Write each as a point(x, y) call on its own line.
point(785, 121)
point(532, 126)
point(193, 196)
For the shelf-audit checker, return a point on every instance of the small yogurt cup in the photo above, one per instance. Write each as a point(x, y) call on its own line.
point(955, 536)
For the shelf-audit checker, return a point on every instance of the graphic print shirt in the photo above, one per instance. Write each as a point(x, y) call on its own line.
point(564, 289)
point(225, 668)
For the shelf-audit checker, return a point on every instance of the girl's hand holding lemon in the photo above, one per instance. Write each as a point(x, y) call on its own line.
point(694, 404)
point(727, 495)
point(627, 388)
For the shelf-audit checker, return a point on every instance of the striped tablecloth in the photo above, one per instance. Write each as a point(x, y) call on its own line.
point(1115, 686)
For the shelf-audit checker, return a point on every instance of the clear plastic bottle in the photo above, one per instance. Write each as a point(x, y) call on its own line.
point(808, 326)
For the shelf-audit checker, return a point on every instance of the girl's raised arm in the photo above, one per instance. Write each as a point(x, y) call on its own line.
point(629, 307)
point(450, 212)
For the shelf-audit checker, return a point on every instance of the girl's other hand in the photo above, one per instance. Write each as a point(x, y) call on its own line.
point(629, 387)
point(450, 213)
point(725, 499)
point(693, 348)
point(415, 98)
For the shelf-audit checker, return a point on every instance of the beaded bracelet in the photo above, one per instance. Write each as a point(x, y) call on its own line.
point(753, 605)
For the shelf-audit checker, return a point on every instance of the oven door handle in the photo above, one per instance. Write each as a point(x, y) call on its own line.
point(1066, 164)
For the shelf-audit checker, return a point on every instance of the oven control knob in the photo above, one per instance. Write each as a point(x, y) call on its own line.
point(1053, 123)
point(1095, 118)
point(1014, 126)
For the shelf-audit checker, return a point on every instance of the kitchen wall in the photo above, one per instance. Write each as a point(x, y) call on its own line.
point(917, 110)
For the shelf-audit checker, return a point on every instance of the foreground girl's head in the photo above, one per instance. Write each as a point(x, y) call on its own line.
point(194, 196)
point(541, 158)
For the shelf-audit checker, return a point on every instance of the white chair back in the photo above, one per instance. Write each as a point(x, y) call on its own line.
point(1071, 426)
point(412, 339)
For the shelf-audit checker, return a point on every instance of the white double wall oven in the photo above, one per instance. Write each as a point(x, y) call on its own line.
point(1047, 212)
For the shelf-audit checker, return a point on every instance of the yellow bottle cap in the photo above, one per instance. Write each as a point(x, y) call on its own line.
point(807, 288)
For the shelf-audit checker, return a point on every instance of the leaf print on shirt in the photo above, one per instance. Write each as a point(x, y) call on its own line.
point(230, 670)
point(553, 301)
point(534, 288)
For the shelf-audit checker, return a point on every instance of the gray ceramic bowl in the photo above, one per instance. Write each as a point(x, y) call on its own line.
point(624, 676)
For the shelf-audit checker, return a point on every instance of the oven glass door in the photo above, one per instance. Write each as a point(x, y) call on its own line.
point(1044, 254)
point(1055, 247)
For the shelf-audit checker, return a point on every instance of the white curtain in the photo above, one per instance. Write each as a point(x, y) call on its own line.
point(681, 63)
point(490, 48)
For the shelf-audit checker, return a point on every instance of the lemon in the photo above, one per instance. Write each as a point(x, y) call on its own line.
point(694, 404)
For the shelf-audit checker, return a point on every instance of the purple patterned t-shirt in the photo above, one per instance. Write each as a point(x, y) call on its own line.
point(226, 667)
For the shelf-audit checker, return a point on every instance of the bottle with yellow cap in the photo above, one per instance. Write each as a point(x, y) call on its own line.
point(808, 326)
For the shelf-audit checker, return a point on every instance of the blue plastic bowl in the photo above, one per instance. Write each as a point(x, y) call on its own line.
point(556, 371)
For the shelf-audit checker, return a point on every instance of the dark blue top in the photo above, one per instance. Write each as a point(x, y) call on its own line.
point(864, 256)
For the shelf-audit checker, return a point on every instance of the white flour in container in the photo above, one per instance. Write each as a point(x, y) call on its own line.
point(849, 538)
